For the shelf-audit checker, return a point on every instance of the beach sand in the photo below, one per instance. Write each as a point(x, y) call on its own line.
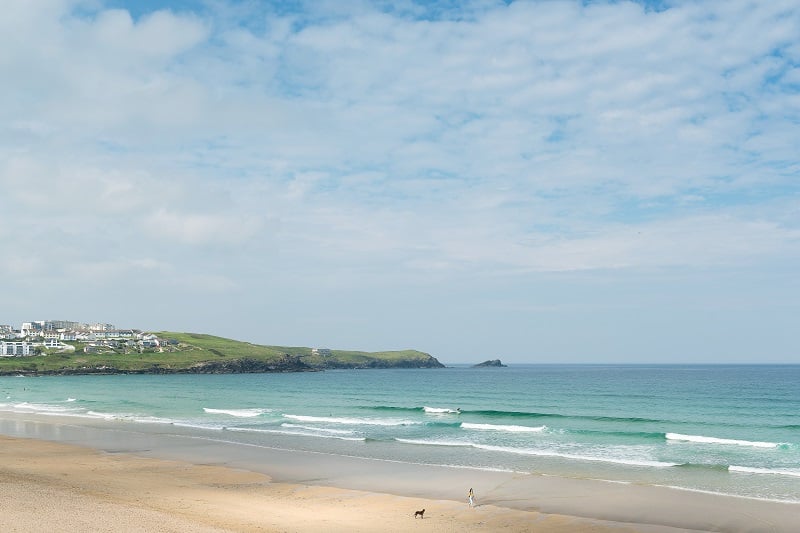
point(46, 486)
point(57, 475)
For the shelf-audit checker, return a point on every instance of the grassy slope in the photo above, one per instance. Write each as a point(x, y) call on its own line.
point(194, 348)
point(226, 347)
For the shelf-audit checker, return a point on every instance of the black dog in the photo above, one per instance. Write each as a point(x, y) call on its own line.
point(419, 514)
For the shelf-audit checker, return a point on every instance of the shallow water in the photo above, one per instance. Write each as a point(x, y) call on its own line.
point(726, 429)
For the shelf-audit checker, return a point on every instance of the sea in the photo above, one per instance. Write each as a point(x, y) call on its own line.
point(732, 430)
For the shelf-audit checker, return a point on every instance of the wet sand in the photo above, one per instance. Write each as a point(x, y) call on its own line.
point(47, 486)
point(77, 478)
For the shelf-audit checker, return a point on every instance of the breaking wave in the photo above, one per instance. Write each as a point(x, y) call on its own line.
point(714, 440)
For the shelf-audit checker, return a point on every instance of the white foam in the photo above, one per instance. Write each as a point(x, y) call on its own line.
point(152, 420)
point(240, 413)
point(751, 470)
point(70, 399)
point(128, 417)
point(104, 416)
point(434, 442)
point(26, 407)
point(495, 427)
point(548, 453)
point(440, 410)
point(80, 412)
point(728, 494)
point(295, 433)
point(323, 430)
point(194, 425)
point(713, 440)
point(351, 421)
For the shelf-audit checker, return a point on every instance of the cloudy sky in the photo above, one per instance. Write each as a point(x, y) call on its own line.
point(539, 181)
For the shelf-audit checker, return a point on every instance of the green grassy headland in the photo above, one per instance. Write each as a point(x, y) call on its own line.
point(201, 353)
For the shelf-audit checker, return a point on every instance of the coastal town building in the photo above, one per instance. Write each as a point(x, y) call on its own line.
point(16, 349)
point(52, 343)
point(55, 325)
point(115, 334)
point(51, 335)
point(61, 335)
point(29, 329)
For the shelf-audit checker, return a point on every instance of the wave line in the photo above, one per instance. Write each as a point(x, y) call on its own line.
point(714, 440)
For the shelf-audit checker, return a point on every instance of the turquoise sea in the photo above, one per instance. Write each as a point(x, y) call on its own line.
point(722, 429)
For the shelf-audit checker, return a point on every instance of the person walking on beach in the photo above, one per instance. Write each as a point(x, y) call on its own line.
point(471, 497)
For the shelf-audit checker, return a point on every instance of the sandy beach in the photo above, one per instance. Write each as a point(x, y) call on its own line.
point(58, 475)
point(47, 486)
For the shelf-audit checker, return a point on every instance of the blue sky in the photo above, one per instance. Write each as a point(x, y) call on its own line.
point(539, 181)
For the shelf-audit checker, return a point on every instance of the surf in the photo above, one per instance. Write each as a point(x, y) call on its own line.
point(497, 427)
point(425, 442)
point(701, 439)
point(240, 413)
point(441, 410)
point(351, 421)
point(769, 471)
point(295, 433)
point(323, 430)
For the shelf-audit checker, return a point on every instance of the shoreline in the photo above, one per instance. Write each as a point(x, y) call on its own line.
point(521, 499)
point(63, 487)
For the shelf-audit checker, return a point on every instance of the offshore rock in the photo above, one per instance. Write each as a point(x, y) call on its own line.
point(492, 363)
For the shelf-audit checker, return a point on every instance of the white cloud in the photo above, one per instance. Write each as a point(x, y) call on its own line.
point(49, 187)
point(103, 271)
point(157, 36)
point(700, 241)
point(350, 143)
point(191, 228)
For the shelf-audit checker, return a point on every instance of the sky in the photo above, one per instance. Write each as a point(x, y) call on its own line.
point(544, 181)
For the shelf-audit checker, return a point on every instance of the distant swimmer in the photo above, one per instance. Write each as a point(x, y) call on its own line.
point(458, 410)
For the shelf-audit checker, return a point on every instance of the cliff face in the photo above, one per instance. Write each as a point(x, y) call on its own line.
point(431, 362)
point(294, 364)
point(245, 365)
point(249, 366)
point(232, 366)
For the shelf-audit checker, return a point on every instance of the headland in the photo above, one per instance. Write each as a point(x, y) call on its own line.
point(197, 353)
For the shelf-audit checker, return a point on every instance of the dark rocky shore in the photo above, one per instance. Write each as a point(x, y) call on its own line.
point(245, 365)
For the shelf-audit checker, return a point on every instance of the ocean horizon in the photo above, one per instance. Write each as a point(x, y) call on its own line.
point(727, 429)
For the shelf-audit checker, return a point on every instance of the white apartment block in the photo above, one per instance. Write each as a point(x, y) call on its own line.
point(15, 349)
point(31, 328)
point(115, 334)
point(53, 325)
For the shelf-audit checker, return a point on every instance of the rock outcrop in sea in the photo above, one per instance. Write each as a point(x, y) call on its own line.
point(491, 363)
